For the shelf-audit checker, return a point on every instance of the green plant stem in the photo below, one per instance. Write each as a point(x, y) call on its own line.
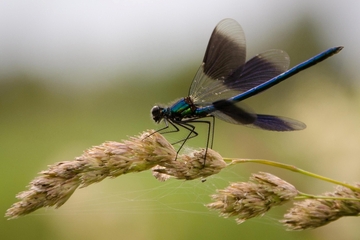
point(307, 196)
point(233, 161)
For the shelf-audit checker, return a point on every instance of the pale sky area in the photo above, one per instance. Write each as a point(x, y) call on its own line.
point(91, 40)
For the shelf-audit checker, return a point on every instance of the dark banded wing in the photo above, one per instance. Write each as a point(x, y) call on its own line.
point(229, 112)
point(225, 54)
point(224, 73)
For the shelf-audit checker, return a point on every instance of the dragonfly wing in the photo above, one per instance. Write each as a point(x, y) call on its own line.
point(229, 112)
point(256, 71)
point(259, 69)
point(225, 55)
point(226, 50)
point(276, 123)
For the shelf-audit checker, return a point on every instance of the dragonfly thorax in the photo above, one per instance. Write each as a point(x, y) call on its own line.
point(182, 109)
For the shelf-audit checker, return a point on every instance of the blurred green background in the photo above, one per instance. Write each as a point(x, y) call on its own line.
point(73, 75)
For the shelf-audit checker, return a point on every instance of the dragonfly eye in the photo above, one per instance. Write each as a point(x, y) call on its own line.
point(157, 113)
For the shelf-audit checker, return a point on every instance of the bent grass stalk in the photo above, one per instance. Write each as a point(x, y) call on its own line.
point(150, 150)
point(264, 191)
point(232, 161)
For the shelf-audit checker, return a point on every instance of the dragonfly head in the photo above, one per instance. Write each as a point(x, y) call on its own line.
point(157, 113)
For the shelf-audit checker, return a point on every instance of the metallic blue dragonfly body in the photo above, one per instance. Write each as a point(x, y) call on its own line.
point(225, 78)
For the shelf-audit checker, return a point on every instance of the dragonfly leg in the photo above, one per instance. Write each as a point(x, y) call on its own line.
point(210, 134)
point(192, 134)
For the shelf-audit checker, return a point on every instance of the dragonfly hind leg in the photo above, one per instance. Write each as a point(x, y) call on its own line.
point(210, 132)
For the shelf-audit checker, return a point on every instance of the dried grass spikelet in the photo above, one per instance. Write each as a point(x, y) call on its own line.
point(190, 166)
point(246, 200)
point(55, 185)
point(313, 213)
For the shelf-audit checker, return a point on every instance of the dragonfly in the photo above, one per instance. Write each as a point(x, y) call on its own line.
point(224, 79)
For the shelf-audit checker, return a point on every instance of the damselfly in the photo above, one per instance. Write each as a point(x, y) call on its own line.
point(225, 78)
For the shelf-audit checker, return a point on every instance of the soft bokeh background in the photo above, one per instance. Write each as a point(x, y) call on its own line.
point(74, 74)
